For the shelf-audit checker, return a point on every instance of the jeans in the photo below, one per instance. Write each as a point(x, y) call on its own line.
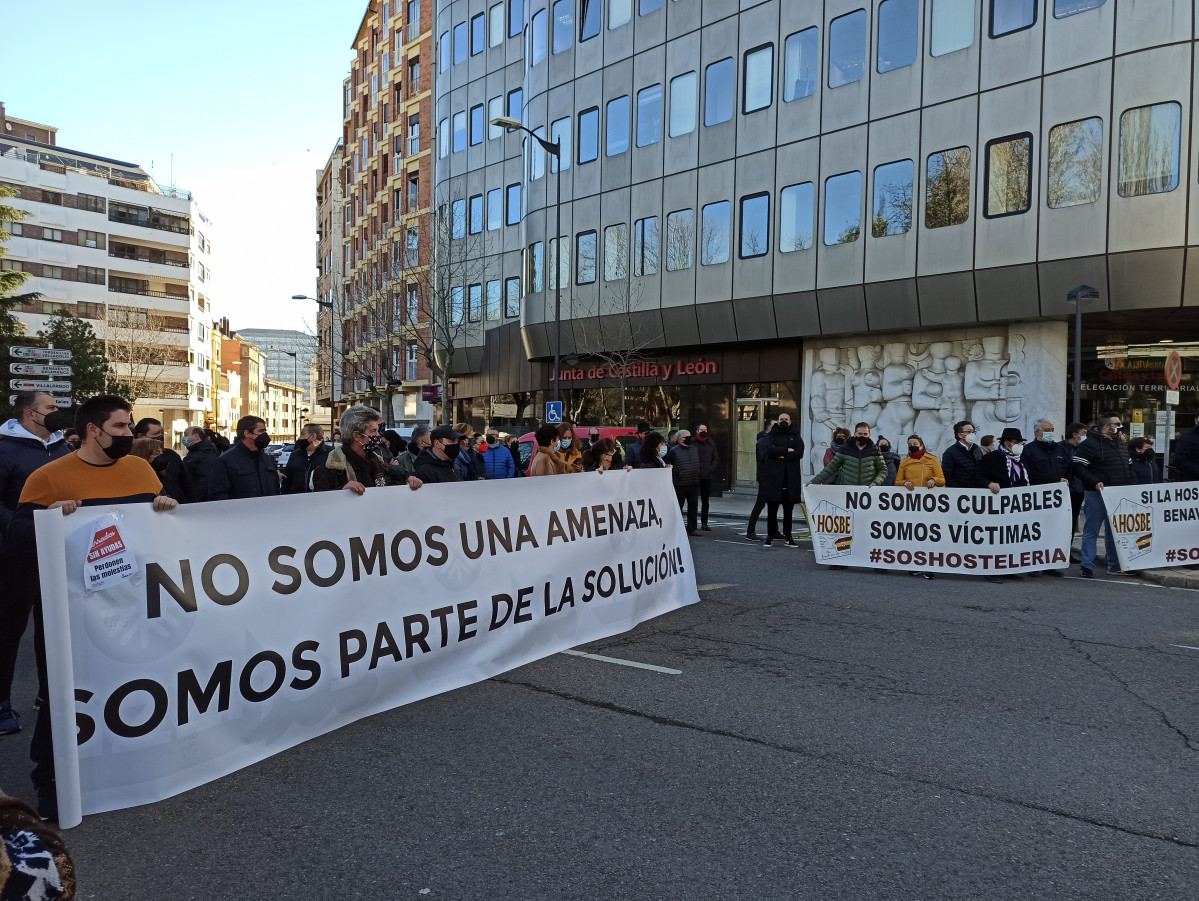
point(759, 506)
point(773, 508)
point(1094, 518)
point(705, 491)
point(688, 494)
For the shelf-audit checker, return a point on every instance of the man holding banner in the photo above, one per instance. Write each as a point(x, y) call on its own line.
point(1099, 462)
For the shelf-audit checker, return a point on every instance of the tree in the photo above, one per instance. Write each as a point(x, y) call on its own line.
point(11, 279)
point(138, 364)
point(1075, 163)
point(89, 364)
point(947, 189)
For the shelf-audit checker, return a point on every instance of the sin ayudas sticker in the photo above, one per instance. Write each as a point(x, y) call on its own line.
point(109, 559)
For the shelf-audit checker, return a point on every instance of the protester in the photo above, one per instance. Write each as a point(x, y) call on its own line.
point(417, 442)
point(570, 448)
point(336, 437)
point(497, 461)
point(101, 472)
point(1100, 461)
point(245, 470)
point(308, 455)
point(435, 462)
point(782, 479)
point(858, 463)
point(154, 453)
point(395, 442)
point(1002, 468)
point(671, 437)
point(201, 456)
point(34, 862)
point(468, 462)
point(514, 450)
point(761, 445)
point(685, 469)
point(601, 456)
point(28, 441)
point(593, 436)
point(633, 451)
point(1047, 460)
point(177, 475)
point(960, 460)
point(356, 464)
point(219, 441)
point(709, 465)
point(1145, 468)
point(1076, 434)
point(547, 459)
point(836, 445)
point(71, 437)
point(890, 458)
point(919, 468)
point(1186, 454)
point(652, 454)
point(986, 444)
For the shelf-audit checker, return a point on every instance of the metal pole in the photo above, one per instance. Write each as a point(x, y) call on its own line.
point(1078, 359)
point(558, 275)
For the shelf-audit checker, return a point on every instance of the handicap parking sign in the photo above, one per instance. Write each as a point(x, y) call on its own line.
point(553, 412)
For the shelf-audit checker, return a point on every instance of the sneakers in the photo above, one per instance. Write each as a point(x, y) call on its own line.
point(38, 702)
point(789, 542)
point(769, 542)
point(9, 719)
point(752, 536)
point(1086, 573)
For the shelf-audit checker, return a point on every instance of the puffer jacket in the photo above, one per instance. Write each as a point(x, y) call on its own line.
point(1047, 463)
point(1145, 468)
point(918, 472)
point(199, 461)
point(498, 463)
point(857, 465)
point(21, 452)
point(1102, 460)
point(961, 467)
point(431, 469)
point(686, 464)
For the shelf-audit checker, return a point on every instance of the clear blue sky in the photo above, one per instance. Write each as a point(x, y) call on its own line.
point(246, 95)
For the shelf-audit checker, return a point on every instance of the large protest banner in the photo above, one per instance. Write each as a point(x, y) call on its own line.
point(1154, 525)
point(190, 644)
point(948, 530)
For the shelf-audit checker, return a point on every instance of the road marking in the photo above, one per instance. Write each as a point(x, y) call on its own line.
point(1139, 582)
point(633, 663)
point(714, 586)
point(1186, 647)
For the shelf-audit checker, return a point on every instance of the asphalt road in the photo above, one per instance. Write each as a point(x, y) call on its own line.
point(831, 735)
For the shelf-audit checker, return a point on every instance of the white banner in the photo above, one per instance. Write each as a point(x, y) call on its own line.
point(1154, 525)
point(948, 530)
point(214, 636)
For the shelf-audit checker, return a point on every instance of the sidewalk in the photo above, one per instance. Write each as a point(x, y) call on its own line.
point(737, 504)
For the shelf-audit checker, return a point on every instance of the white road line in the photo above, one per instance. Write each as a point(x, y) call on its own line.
point(633, 663)
point(1139, 582)
point(1186, 647)
point(714, 586)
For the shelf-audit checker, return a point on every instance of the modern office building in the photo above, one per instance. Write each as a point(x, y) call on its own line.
point(278, 345)
point(854, 210)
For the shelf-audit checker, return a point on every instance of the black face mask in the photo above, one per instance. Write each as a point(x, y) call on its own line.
point(301, 444)
point(884, 448)
point(492, 439)
point(120, 447)
point(54, 421)
point(159, 463)
point(263, 441)
point(862, 442)
point(684, 441)
point(784, 427)
point(452, 450)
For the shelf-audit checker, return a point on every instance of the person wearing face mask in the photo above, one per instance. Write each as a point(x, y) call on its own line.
point(652, 454)
point(836, 445)
point(570, 448)
point(202, 453)
point(919, 469)
point(245, 470)
point(356, 464)
point(782, 479)
point(469, 462)
point(1100, 461)
point(960, 461)
point(168, 462)
point(685, 469)
point(548, 459)
point(71, 437)
point(306, 458)
point(100, 472)
point(1048, 460)
point(890, 458)
point(417, 442)
point(1143, 461)
point(496, 460)
point(435, 462)
point(1076, 434)
point(28, 441)
point(709, 465)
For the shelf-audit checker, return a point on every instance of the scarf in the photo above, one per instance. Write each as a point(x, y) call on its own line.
point(1015, 469)
point(916, 455)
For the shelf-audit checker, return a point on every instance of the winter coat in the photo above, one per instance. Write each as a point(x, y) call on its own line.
point(632, 451)
point(240, 472)
point(857, 465)
point(178, 482)
point(469, 464)
point(200, 460)
point(960, 465)
point(547, 462)
point(994, 467)
point(498, 463)
point(1047, 462)
point(21, 452)
point(514, 450)
point(1100, 459)
point(685, 461)
point(1145, 468)
point(340, 467)
point(572, 457)
point(832, 451)
point(709, 458)
point(782, 473)
point(1186, 456)
point(891, 459)
point(430, 468)
point(300, 468)
point(918, 472)
point(761, 447)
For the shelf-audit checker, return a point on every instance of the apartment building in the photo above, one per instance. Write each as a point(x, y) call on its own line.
point(330, 235)
point(104, 242)
point(283, 409)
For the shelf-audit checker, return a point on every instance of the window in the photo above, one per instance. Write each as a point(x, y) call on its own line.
point(86, 238)
point(413, 79)
point(537, 155)
point(51, 197)
point(443, 52)
point(585, 249)
point(91, 275)
point(461, 51)
point(457, 304)
point(478, 36)
point(589, 20)
point(459, 219)
point(898, 40)
point(513, 205)
point(649, 115)
point(412, 248)
point(947, 188)
point(617, 135)
point(680, 240)
point(516, 100)
point(53, 272)
point(516, 17)
point(91, 203)
point(645, 246)
point(719, 88)
point(645, 7)
point(560, 134)
point(1150, 148)
point(891, 212)
point(1012, 15)
point(535, 278)
point(477, 125)
point(847, 39)
point(411, 361)
point(495, 31)
point(588, 135)
point(1064, 8)
point(16, 229)
point(559, 268)
point(495, 209)
point(495, 109)
point(538, 38)
point(52, 234)
point(797, 213)
point(412, 306)
point(443, 138)
point(616, 249)
point(459, 132)
point(619, 12)
point(1009, 176)
point(843, 208)
point(683, 103)
point(564, 25)
point(755, 225)
point(493, 299)
point(413, 192)
point(475, 298)
point(715, 223)
point(512, 297)
point(801, 64)
point(476, 214)
point(414, 133)
point(1075, 163)
point(757, 79)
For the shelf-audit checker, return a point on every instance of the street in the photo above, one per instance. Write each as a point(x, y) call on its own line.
point(798, 734)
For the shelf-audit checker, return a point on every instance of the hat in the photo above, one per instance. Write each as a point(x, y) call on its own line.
point(445, 431)
point(1011, 435)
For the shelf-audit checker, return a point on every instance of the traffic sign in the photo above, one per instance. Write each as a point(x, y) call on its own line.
point(61, 401)
point(38, 369)
point(553, 412)
point(19, 385)
point(1173, 370)
point(39, 353)
point(1171, 398)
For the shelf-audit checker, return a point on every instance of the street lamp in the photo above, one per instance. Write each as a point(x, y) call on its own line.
point(1078, 297)
point(327, 305)
point(555, 149)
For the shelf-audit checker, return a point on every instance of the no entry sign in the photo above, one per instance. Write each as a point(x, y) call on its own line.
point(1173, 370)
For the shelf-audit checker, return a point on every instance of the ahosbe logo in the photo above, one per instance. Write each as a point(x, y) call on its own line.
point(1132, 524)
point(832, 527)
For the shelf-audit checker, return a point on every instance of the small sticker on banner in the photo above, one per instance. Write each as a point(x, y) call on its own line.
point(109, 559)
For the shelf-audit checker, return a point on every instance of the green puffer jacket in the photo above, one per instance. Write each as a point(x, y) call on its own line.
point(858, 466)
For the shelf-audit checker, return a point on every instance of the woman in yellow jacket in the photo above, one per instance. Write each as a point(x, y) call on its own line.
point(570, 448)
point(919, 468)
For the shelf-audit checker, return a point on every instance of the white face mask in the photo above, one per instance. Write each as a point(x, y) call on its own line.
point(1049, 436)
point(971, 438)
point(1018, 448)
point(1082, 439)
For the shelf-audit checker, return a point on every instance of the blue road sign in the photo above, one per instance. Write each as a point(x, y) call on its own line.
point(553, 412)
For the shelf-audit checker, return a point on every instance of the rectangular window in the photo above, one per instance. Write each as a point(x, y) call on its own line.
point(445, 57)
point(898, 38)
point(537, 155)
point(478, 36)
point(459, 219)
point(16, 229)
point(476, 214)
point(91, 274)
point(514, 210)
point(589, 19)
point(585, 249)
point(757, 79)
point(516, 18)
point(564, 25)
point(516, 99)
point(412, 362)
point(459, 132)
point(719, 91)
point(495, 109)
point(617, 128)
point(588, 135)
point(1012, 15)
point(560, 135)
point(53, 197)
point(512, 297)
point(715, 224)
point(412, 306)
point(538, 38)
point(755, 225)
point(1009, 176)
point(801, 64)
point(1075, 163)
point(843, 208)
point(86, 238)
point(848, 37)
point(645, 246)
point(412, 248)
point(649, 115)
point(495, 209)
point(493, 299)
point(535, 276)
point(51, 271)
point(683, 103)
point(475, 297)
point(616, 251)
point(477, 125)
point(1064, 8)
point(952, 26)
point(619, 12)
point(52, 234)
point(461, 49)
point(894, 186)
point(558, 268)
point(797, 215)
point(495, 30)
point(457, 304)
point(443, 138)
point(947, 188)
point(91, 203)
point(680, 240)
point(645, 7)
point(1150, 149)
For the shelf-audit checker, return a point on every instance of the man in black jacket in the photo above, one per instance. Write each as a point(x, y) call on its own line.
point(761, 446)
point(709, 465)
point(960, 462)
point(245, 470)
point(168, 461)
point(201, 455)
point(435, 464)
point(1186, 454)
point(1048, 460)
point(28, 441)
point(782, 482)
point(1100, 461)
point(633, 451)
point(308, 455)
point(684, 460)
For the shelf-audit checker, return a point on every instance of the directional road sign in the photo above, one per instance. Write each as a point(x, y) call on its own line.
point(553, 412)
point(61, 401)
point(39, 353)
point(1173, 370)
point(30, 385)
point(38, 369)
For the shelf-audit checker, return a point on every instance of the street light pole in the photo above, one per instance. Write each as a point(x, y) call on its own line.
point(1078, 297)
point(327, 305)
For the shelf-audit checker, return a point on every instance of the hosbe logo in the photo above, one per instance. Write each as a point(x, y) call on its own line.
point(832, 531)
point(1132, 525)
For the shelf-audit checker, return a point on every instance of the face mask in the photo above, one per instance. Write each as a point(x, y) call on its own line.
point(451, 450)
point(159, 438)
point(373, 443)
point(861, 441)
point(301, 444)
point(263, 441)
point(564, 444)
point(971, 438)
point(1018, 448)
point(54, 421)
point(185, 441)
point(884, 448)
point(784, 426)
point(594, 438)
point(686, 440)
point(914, 450)
point(120, 447)
point(1082, 438)
point(702, 436)
point(1049, 436)
point(492, 439)
point(662, 451)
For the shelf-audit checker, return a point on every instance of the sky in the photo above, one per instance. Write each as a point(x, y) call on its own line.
point(246, 96)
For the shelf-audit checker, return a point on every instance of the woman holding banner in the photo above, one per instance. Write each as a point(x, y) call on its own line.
point(919, 467)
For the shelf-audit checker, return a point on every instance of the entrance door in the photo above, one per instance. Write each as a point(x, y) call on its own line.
point(752, 415)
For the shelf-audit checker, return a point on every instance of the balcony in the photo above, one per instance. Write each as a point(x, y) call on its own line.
point(413, 31)
point(162, 223)
point(161, 261)
point(413, 144)
point(144, 291)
